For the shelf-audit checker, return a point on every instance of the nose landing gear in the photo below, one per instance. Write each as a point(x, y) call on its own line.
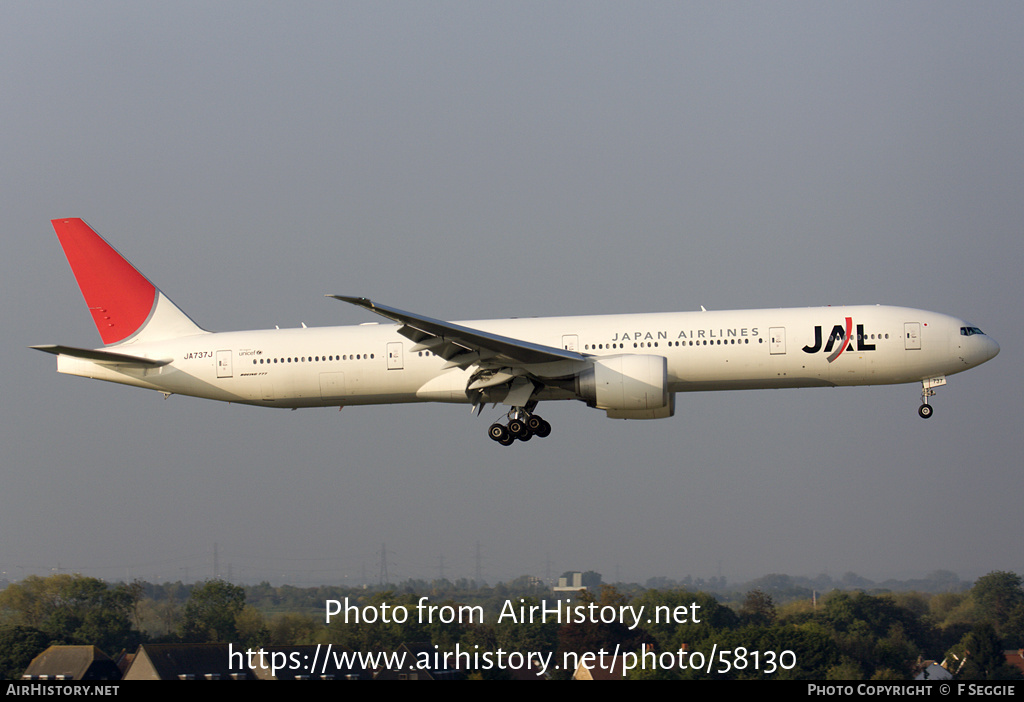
point(927, 390)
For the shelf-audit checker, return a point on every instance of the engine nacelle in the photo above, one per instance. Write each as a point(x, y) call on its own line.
point(629, 386)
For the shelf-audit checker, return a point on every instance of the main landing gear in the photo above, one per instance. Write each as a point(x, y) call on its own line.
point(521, 425)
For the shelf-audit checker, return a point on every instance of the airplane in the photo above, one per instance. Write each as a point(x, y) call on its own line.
point(629, 365)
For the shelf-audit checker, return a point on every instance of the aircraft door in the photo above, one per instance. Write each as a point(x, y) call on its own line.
point(912, 335)
point(224, 364)
point(777, 340)
point(395, 355)
point(570, 342)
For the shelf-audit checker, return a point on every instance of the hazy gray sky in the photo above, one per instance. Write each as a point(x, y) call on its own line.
point(471, 160)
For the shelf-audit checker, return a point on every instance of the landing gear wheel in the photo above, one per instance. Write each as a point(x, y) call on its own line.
point(538, 426)
point(498, 432)
point(517, 428)
point(507, 439)
point(541, 429)
point(925, 411)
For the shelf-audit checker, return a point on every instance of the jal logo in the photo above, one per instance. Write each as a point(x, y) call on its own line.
point(841, 339)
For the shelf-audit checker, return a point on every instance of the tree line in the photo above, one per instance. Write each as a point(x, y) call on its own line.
point(840, 635)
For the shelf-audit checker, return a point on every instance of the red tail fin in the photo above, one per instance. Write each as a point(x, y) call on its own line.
point(122, 301)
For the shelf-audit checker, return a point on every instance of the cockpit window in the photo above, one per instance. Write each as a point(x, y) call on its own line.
point(970, 331)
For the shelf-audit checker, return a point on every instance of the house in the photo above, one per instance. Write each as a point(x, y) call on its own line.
point(72, 663)
point(411, 656)
point(1015, 659)
point(188, 662)
point(595, 671)
point(294, 662)
point(930, 670)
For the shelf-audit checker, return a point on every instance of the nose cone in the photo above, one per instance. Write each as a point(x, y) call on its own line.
point(991, 348)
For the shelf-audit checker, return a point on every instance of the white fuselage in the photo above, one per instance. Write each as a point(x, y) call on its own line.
point(726, 350)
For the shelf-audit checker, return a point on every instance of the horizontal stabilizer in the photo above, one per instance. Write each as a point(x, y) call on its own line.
point(104, 357)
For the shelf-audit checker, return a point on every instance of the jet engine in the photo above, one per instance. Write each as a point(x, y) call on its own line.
point(628, 386)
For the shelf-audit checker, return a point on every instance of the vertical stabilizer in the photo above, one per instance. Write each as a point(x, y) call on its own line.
point(125, 306)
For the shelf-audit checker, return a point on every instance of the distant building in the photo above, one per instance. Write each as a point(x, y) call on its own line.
point(309, 662)
point(595, 671)
point(188, 662)
point(612, 668)
point(411, 656)
point(931, 670)
point(573, 584)
point(72, 663)
point(1015, 659)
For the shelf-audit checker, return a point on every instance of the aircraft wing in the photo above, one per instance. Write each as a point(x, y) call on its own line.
point(462, 346)
point(100, 356)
